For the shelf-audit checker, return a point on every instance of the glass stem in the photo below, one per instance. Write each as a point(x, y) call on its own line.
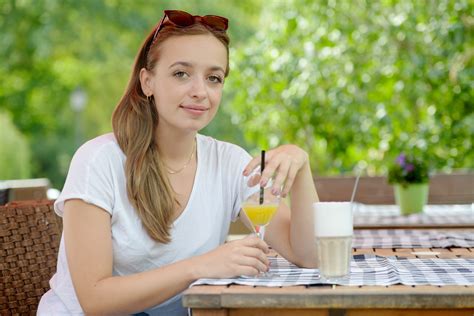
point(260, 230)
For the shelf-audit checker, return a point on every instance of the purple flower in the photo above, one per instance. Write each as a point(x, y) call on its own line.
point(409, 167)
point(401, 159)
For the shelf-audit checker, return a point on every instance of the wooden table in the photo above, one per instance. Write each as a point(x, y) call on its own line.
point(333, 300)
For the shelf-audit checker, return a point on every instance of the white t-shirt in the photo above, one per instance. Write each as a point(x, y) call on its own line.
point(96, 175)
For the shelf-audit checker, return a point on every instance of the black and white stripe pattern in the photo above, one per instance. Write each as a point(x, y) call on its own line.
point(367, 270)
point(408, 238)
point(432, 215)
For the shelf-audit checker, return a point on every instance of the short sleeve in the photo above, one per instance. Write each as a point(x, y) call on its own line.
point(90, 178)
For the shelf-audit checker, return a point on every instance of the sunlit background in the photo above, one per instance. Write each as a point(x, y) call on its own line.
point(353, 82)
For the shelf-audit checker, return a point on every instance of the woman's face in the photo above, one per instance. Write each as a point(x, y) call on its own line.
point(187, 81)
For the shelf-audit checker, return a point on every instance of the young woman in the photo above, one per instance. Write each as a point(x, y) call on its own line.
point(146, 210)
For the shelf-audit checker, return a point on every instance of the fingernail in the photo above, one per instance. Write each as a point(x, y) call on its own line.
point(275, 191)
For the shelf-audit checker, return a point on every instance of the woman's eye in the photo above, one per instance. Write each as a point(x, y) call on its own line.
point(215, 79)
point(180, 74)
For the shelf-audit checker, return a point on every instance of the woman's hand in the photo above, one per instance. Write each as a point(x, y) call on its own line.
point(282, 164)
point(245, 256)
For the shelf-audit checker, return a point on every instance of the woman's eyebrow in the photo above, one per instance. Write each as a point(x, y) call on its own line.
point(180, 63)
point(217, 68)
point(187, 64)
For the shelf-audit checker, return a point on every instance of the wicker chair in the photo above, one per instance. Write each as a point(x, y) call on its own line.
point(29, 241)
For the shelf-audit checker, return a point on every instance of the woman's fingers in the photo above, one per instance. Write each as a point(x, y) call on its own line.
point(252, 262)
point(281, 176)
point(246, 256)
point(293, 170)
point(254, 180)
point(282, 164)
point(254, 163)
point(270, 169)
point(255, 253)
point(253, 241)
point(246, 270)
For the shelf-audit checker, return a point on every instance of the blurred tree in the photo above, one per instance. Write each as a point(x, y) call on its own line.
point(352, 83)
point(49, 48)
point(14, 151)
point(360, 81)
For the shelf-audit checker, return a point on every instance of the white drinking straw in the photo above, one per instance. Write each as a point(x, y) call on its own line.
point(355, 187)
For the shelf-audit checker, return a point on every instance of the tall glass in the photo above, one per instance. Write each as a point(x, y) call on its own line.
point(333, 228)
point(259, 207)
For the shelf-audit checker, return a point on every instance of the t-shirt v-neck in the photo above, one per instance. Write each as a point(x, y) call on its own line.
point(195, 183)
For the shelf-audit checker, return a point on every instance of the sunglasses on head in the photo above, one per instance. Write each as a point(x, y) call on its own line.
point(184, 19)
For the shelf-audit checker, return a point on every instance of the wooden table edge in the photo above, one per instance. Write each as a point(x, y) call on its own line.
point(414, 226)
point(461, 297)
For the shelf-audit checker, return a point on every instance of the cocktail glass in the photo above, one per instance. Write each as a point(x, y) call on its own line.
point(260, 207)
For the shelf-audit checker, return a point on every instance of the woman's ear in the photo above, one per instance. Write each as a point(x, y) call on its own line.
point(146, 82)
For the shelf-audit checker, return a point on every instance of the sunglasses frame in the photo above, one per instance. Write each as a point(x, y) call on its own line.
point(193, 19)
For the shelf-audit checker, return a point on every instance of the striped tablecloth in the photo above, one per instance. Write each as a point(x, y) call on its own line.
point(412, 238)
point(366, 270)
point(432, 215)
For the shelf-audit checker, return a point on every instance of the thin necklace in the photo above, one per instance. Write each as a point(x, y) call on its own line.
point(172, 171)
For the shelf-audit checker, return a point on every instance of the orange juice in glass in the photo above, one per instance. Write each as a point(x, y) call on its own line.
point(259, 215)
point(260, 207)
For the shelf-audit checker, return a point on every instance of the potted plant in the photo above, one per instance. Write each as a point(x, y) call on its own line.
point(410, 179)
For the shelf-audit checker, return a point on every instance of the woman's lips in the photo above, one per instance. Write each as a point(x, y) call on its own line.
point(195, 109)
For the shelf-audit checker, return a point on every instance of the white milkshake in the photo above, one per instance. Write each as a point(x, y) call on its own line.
point(333, 231)
point(334, 256)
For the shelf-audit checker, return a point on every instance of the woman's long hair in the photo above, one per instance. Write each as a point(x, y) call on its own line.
point(135, 120)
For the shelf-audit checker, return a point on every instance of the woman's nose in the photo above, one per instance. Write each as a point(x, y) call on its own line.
point(198, 89)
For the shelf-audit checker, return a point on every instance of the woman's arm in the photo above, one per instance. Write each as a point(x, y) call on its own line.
point(291, 233)
point(88, 241)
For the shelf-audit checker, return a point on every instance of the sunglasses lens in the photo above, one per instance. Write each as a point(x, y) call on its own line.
point(216, 22)
point(180, 18)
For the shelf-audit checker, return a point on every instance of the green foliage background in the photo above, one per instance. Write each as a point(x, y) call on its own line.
point(352, 82)
point(14, 151)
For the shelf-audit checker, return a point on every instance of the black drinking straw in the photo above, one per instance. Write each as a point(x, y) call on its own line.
point(262, 166)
